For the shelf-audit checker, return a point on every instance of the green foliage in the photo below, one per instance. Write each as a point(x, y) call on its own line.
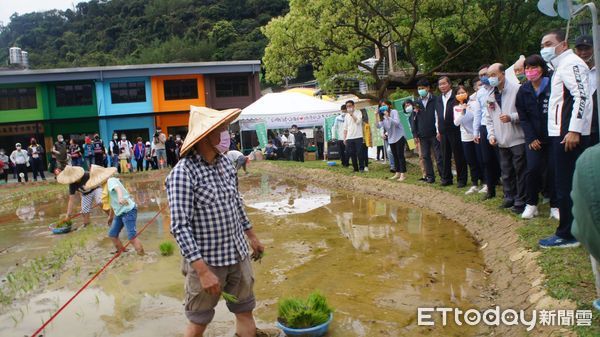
point(399, 93)
point(300, 314)
point(229, 298)
point(63, 224)
point(430, 36)
point(101, 32)
point(166, 248)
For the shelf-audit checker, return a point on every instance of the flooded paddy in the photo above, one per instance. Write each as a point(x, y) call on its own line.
point(376, 260)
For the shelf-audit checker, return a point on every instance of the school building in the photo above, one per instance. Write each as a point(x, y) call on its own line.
point(131, 99)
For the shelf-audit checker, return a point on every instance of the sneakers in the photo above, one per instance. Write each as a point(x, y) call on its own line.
point(530, 212)
point(554, 213)
point(517, 209)
point(402, 177)
point(558, 242)
point(472, 190)
point(396, 176)
point(483, 190)
point(507, 203)
point(366, 169)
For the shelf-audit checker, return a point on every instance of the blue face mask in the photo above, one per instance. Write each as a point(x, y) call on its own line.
point(494, 81)
point(383, 108)
point(485, 80)
point(422, 92)
point(548, 53)
point(409, 109)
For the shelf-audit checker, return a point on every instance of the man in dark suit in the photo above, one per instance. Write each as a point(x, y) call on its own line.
point(423, 126)
point(449, 135)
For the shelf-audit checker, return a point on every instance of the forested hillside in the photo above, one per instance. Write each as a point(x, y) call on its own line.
point(102, 32)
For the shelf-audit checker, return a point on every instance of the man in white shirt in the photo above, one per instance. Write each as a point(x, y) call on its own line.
point(569, 126)
point(337, 135)
point(353, 136)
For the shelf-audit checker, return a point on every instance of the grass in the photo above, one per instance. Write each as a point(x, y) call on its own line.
point(568, 271)
point(166, 248)
point(300, 314)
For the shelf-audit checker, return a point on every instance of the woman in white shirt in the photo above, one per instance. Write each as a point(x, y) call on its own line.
point(464, 112)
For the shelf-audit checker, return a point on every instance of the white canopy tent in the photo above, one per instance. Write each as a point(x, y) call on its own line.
point(282, 110)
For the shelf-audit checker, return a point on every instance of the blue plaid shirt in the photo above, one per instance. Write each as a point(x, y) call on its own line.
point(208, 219)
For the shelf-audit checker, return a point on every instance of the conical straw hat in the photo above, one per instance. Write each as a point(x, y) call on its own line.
point(203, 121)
point(98, 175)
point(70, 175)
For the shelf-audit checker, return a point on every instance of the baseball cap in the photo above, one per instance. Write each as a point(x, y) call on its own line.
point(584, 40)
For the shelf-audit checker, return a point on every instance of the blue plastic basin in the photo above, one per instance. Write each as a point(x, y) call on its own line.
point(315, 331)
point(331, 163)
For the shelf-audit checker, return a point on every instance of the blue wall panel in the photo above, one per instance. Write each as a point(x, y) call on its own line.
point(106, 106)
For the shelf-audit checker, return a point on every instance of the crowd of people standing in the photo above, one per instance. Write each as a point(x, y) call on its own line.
point(157, 153)
point(524, 133)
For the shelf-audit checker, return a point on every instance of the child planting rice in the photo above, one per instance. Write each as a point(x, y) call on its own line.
point(121, 204)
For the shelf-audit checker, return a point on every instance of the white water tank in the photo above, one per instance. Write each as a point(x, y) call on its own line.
point(15, 55)
point(25, 59)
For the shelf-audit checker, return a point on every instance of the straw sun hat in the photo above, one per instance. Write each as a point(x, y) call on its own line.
point(98, 175)
point(203, 121)
point(70, 175)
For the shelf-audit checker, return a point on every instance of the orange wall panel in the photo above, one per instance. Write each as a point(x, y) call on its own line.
point(166, 121)
point(158, 94)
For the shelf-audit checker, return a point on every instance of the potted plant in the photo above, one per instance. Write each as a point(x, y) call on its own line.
point(305, 318)
point(61, 227)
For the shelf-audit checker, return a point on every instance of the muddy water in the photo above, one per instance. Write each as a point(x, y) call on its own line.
point(375, 260)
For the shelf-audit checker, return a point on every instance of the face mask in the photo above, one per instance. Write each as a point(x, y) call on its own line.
point(383, 108)
point(533, 74)
point(485, 80)
point(548, 53)
point(409, 109)
point(60, 140)
point(18, 147)
point(350, 110)
point(461, 97)
point(178, 138)
point(494, 81)
point(225, 142)
point(422, 92)
point(115, 137)
point(123, 138)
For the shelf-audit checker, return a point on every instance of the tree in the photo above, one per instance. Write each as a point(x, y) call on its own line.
point(335, 36)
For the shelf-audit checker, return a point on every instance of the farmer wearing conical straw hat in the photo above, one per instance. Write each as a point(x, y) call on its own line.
point(120, 203)
point(210, 225)
point(76, 178)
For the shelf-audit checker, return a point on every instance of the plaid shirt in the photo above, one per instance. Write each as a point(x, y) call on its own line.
point(208, 219)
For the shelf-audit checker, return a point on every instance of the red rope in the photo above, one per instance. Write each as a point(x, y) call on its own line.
point(96, 275)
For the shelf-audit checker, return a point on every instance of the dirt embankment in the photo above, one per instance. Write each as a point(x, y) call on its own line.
point(515, 279)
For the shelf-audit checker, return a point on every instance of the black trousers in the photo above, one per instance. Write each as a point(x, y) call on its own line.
point(299, 154)
point(22, 168)
point(356, 153)
point(426, 145)
point(343, 153)
point(491, 161)
point(398, 154)
point(564, 167)
point(320, 148)
point(140, 164)
point(452, 147)
point(37, 166)
point(539, 174)
point(473, 160)
point(365, 150)
point(380, 149)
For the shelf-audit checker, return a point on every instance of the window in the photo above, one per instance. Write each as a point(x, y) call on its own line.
point(181, 89)
point(128, 92)
point(18, 98)
point(74, 95)
point(232, 86)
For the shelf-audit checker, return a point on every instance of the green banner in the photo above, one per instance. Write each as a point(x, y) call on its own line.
point(329, 121)
point(375, 132)
point(261, 133)
point(405, 120)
